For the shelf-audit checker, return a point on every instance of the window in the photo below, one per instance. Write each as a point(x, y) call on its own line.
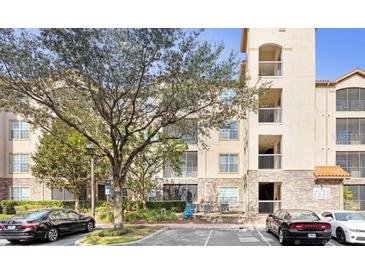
point(229, 131)
point(350, 131)
point(19, 163)
point(189, 166)
point(228, 163)
point(189, 129)
point(19, 130)
point(353, 162)
point(321, 193)
point(180, 192)
point(228, 195)
point(350, 99)
point(355, 199)
point(20, 193)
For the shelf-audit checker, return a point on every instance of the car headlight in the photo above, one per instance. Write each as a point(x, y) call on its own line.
point(354, 230)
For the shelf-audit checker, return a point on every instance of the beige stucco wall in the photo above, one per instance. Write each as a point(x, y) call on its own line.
point(298, 95)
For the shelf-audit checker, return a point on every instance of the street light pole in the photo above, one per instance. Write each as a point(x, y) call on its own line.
point(90, 151)
point(92, 187)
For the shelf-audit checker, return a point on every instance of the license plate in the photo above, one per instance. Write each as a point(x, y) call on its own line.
point(11, 227)
point(312, 236)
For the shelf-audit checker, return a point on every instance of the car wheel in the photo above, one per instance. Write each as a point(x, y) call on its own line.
point(90, 226)
point(52, 234)
point(340, 235)
point(282, 239)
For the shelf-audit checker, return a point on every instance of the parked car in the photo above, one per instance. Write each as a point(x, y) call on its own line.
point(46, 224)
point(298, 227)
point(347, 226)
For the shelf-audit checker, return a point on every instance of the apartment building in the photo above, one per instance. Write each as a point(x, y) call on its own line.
point(17, 142)
point(304, 144)
point(289, 154)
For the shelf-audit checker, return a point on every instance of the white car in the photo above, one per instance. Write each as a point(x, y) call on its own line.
point(347, 226)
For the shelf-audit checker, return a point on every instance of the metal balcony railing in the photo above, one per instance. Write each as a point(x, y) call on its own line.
point(344, 138)
point(270, 68)
point(186, 172)
point(270, 115)
point(269, 206)
point(270, 161)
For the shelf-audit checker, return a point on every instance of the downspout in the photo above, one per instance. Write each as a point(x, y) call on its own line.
point(327, 123)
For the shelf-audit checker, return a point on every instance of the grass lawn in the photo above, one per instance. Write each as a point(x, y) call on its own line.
point(119, 236)
point(5, 216)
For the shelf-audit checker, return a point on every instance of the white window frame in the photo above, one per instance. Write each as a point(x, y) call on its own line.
point(229, 162)
point(20, 195)
point(227, 131)
point(19, 157)
point(229, 196)
point(21, 128)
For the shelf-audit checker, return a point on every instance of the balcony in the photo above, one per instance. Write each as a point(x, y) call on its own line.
point(270, 68)
point(268, 207)
point(269, 152)
point(270, 106)
point(270, 161)
point(270, 60)
point(189, 167)
point(269, 115)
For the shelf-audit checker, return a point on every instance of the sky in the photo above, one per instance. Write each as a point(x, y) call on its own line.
point(338, 51)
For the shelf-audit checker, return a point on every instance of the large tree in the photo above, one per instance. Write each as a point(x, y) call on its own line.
point(143, 173)
point(61, 161)
point(112, 84)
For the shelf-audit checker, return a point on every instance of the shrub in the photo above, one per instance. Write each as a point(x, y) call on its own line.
point(150, 215)
point(177, 206)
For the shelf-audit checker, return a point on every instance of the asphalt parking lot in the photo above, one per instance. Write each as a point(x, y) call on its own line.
point(215, 237)
point(187, 237)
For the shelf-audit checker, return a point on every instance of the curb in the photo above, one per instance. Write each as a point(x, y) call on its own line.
point(77, 243)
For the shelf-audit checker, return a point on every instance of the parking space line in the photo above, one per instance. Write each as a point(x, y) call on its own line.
point(331, 243)
point(207, 240)
point(263, 237)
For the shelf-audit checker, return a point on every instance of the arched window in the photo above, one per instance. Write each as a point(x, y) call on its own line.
point(350, 99)
point(270, 60)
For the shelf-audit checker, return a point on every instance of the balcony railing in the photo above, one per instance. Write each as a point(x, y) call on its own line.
point(269, 206)
point(186, 172)
point(270, 68)
point(269, 115)
point(349, 138)
point(270, 161)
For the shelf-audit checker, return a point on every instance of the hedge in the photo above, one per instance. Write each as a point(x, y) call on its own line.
point(12, 207)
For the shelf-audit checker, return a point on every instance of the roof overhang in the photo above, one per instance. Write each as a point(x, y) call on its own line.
point(244, 40)
point(331, 172)
point(357, 71)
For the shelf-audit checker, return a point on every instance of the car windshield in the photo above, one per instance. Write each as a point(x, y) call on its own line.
point(347, 216)
point(303, 215)
point(31, 214)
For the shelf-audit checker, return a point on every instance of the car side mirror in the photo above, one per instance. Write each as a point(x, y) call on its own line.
point(270, 215)
point(329, 219)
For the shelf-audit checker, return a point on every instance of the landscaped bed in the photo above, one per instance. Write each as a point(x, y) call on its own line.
point(119, 236)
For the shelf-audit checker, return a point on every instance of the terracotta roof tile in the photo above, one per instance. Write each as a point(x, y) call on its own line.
point(331, 171)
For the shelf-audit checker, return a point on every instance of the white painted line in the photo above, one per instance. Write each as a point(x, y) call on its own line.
point(263, 237)
point(207, 240)
point(331, 244)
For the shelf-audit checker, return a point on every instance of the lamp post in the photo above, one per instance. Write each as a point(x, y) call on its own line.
point(91, 151)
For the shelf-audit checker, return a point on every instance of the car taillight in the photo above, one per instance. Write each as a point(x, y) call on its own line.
point(25, 226)
point(310, 226)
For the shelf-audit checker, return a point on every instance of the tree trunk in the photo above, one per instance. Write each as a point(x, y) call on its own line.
point(77, 202)
point(144, 198)
point(118, 208)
